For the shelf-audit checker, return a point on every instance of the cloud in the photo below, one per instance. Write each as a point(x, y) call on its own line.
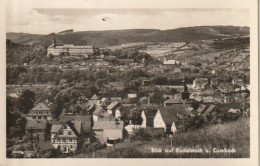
point(36, 17)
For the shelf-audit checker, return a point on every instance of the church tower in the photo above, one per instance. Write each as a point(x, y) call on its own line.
point(185, 93)
point(53, 44)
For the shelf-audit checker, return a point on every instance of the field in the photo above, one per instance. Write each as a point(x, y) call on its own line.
point(232, 135)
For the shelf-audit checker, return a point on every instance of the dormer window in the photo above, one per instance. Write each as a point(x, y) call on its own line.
point(65, 127)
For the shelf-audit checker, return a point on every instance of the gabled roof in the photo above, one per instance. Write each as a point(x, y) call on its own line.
point(150, 113)
point(36, 124)
point(98, 110)
point(201, 108)
point(84, 119)
point(42, 106)
point(94, 97)
point(99, 125)
point(113, 105)
point(55, 128)
point(208, 110)
point(75, 125)
point(169, 114)
point(45, 146)
point(103, 102)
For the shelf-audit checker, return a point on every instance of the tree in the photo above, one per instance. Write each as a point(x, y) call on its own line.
point(26, 101)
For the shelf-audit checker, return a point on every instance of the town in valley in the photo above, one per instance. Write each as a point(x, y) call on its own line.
point(117, 94)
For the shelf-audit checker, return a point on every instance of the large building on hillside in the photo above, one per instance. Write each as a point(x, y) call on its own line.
point(70, 49)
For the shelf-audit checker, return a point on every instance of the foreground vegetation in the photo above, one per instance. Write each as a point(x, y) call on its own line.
point(227, 135)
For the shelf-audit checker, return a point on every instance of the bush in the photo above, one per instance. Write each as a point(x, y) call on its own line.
point(148, 134)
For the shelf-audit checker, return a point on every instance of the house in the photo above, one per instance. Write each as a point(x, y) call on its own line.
point(93, 100)
point(208, 111)
point(201, 108)
point(199, 82)
point(86, 122)
point(167, 118)
point(105, 131)
point(169, 62)
point(119, 99)
point(124, 111)
point(66, 137)
point(46, 149)
point(234, 111)
point(42, 110)
point(148, 117)
point(208, 99)
point(146, 82)
point(104, 102)
point(144, 100)
point(100, 114)
point(36, 129)
point(82, 100)
point(172, 101)
point(132, 97)
point(111, 108)
point(166, 97)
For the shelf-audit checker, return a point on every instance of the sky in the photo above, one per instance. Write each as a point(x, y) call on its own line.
point(39, 18)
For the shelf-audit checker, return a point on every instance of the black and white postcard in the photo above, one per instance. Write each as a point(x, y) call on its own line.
point(174, 81)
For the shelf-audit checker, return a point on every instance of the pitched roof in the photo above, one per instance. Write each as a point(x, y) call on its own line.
point(208, 110)
point(169, 114)
point(115, 98)
point(84, 119)
point(173, 101)
point(113, 105)
point(55, 128)
point(36, 124)
point(42, 106)
point(150, 113)
point(45, 146)
point(98, 110)
point(226, 106)
point(108, 125)
point(126, 109)
point(201, 108)
point(94, 97)
point(76, 125)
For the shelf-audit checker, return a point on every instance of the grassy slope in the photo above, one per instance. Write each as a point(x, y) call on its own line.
point(229, 135)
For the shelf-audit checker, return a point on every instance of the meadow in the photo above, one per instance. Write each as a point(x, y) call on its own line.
point(209, 142)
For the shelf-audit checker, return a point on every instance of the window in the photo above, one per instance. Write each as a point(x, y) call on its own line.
point(45, 117)
point(34, 117)
point(69, 133)
point(71, 146)
point(39, 117)
point(70, 140)
point(65, 127)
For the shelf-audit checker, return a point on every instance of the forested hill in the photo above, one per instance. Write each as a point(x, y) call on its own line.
point(117, 37)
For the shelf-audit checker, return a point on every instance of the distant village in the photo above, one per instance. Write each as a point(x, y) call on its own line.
point(175, 94)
